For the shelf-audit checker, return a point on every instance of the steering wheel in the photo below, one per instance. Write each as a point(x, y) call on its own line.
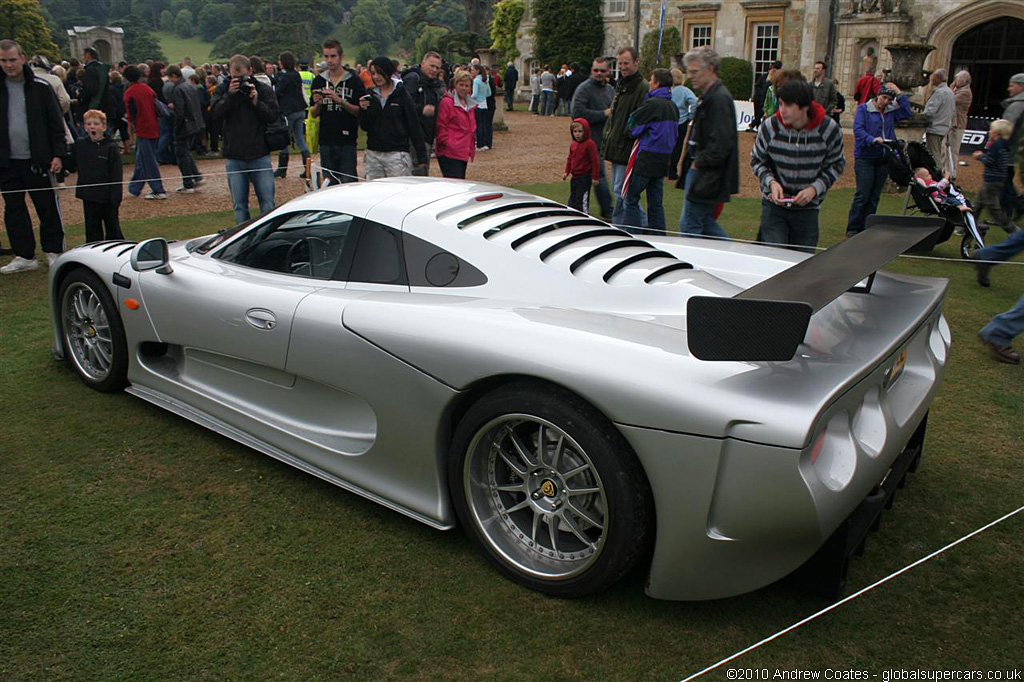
point(292, 262)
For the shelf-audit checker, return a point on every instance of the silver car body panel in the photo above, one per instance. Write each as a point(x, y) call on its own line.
point(356, 383)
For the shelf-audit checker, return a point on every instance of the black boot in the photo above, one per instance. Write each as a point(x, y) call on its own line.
point(282, 165)
point(305, 161)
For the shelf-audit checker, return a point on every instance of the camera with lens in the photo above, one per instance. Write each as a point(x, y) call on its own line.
point(245, 85)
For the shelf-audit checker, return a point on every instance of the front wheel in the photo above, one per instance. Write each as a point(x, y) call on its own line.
point(549, 490)
point(968, 245)
point(94, 340)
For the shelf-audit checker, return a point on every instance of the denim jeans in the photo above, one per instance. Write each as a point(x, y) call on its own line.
point(1004, 250)
point(260, 173)
point(547, 102)
point(697, 216)
point(297, 126)
point(341, 159)
point(871, 175)
point(797, 227)
point(655, 210)
point(146, 168)
point(618, 178)
point(1004, 327)
point(186, 164)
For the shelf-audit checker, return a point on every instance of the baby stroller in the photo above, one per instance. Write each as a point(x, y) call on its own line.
point(902, 158)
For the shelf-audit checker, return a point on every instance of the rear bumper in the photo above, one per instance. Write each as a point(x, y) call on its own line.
point(734, 516)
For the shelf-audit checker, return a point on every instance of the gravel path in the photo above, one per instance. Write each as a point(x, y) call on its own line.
point(532, 150)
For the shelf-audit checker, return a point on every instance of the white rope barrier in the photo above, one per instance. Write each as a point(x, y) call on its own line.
point(853, 596)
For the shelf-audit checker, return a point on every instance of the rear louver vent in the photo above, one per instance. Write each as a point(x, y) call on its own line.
point(567, 239)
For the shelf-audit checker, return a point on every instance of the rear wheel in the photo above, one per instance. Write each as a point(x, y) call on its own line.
point(549, 490)
point(93, 335)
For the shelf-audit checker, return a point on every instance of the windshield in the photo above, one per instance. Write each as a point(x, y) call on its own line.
point(222, 236)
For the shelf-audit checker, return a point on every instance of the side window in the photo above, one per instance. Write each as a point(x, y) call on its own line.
point(431, 266)
point(378, 256)
point(308, 244)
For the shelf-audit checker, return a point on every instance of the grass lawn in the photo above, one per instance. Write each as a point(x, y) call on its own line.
point(177, 48)
point(139, 545)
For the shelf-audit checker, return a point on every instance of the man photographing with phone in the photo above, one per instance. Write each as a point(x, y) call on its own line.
point(797, 157)
point(336, 93)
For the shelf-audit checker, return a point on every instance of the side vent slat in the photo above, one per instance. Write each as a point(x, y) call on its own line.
point(463, 224)
point(605, 248)
point(569, 241)
point(667, 269)
point(113, 245)
point(533, 234)
point(635, 258)
point(566, 212)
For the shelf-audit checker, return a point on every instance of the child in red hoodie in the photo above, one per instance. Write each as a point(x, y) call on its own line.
point(582, 165)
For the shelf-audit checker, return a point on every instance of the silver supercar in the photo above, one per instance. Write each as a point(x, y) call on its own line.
point(580, 399)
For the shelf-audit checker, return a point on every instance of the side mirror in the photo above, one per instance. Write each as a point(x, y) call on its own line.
point(152, 254)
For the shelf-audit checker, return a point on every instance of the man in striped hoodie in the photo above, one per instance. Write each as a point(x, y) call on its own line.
point(797, 157)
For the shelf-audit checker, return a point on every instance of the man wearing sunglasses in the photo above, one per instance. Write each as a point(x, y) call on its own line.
point(592, 101)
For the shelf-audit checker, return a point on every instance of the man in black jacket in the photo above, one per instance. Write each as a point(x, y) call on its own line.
point(188, 122)
point(246, 107)
point(95, 86)
point(593, 101)
point(713, 154)
point(31, 147)
point(618, 143)
point(511, 81)
point(427, 90)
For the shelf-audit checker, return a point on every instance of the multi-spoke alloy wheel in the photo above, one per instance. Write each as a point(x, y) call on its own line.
point(93, 335)
point(536, 495)
point(549, 490)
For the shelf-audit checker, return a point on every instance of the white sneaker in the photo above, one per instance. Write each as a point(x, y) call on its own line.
point(154, 195)
point(200, 182)
point(51, 257)
point(20, 264)
point(186, 190)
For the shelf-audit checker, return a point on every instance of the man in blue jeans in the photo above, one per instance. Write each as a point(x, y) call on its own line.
point(1001, 330)
point(244, 107)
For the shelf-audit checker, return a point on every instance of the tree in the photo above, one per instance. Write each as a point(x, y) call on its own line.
point(505, 27)
point(568, 30)
point(429, 39)
point(671, 45)
point(166, 20)
point(372, 26)
point(737, 75)
point(139, 42)
point(214, 20)
point(183, 27)
point(21, 20)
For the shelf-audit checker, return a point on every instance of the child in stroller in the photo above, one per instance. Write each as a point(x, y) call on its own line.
point(941, 191)
point(906, 161)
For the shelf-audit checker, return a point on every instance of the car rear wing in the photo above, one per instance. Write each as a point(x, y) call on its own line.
point(768, 321)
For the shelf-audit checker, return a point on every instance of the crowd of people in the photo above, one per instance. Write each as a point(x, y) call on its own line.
point(84, 114)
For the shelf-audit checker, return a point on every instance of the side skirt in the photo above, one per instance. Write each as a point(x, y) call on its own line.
point(216, 425)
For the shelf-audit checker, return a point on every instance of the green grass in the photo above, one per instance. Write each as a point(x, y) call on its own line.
point(137, 545)
point(177, 48)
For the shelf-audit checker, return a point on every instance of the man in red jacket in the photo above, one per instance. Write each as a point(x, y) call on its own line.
point(140, 109)
point(867, 86)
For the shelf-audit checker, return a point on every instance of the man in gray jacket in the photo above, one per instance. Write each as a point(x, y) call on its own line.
point(188, 122)
point(941, 109)
point(592, 101)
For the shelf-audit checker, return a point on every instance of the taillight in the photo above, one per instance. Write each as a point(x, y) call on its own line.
point(818, 445)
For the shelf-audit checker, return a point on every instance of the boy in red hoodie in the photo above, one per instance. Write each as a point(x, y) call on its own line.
point(582, 165)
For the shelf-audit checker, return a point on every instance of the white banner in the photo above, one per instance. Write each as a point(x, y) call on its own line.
point(744, 114)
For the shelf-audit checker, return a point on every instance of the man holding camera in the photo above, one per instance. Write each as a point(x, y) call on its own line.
point(336, 94)
point(245, 107)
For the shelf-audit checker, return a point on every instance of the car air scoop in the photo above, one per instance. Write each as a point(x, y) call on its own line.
point(768, 321)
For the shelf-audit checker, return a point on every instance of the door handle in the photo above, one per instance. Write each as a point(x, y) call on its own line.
point(261, 319)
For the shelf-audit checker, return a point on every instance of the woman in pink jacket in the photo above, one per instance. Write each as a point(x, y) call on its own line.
point(455, 142)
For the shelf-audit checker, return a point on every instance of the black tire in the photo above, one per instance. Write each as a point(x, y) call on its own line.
point(968, 245)
point(92, 332)
point(555, 534)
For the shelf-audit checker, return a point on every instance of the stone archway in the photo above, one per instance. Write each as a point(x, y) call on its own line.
point(949, 27)
point(991, 52)
point(104, 49)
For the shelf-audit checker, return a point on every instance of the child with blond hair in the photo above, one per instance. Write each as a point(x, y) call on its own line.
point(99, 178)
point(996, 157)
